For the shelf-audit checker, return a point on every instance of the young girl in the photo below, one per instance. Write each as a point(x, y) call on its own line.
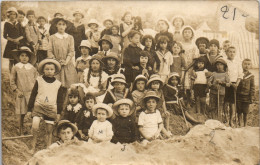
point(124, 126)
point(93, 26)
point(125, 28)
point(22, 79)
point(93, 39)
point(116, 40)
point(83, 62)
point(101, 129)
point(163, 26)
point(203, 45)
point(108, 23)
point(217, 83)
point(177, 22)
point(43, 104)
point(43, 39)
point(111, 63)
point(13, 32)
point(164, 56)
point(105, 45)
point(150, 121)
point(179, 64)
point(61, 47)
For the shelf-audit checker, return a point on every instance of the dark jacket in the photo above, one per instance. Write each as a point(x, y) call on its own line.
point(246, 86)
point(84, 122)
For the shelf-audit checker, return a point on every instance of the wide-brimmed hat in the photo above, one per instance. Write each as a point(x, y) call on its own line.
point(138, 78)
point(85, 43)
point(96, 57)
point(175, 17)
point(165, 20)
point(151, 94)
point(93, 21)
point(214, 41)
point(203, 40)
point(108, 19)
point(49, 60)
point(106, 38)
point(111, 55)
point(118, 78)
point(102, 106)
point(186, 28)
point(155, 77)
point(124, 101)
point(16, 53)
point(57, 19)
point(12, 9)
point(58, 12)
point(64, 122)
point(220, 60)
point(174, 74)
point(78, 12)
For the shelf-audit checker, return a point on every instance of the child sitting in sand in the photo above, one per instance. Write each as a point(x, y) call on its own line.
point(101, 129)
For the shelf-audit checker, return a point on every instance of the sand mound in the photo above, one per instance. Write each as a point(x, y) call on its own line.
point(211, 143)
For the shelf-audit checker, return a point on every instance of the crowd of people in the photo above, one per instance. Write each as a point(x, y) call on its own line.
point(120, 84)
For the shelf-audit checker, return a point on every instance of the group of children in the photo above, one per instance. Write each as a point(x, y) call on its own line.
point(121, 96)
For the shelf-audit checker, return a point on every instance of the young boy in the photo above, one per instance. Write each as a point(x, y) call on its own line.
point(124, 126)
point(85, 117)
point(245, 92)
point(43, 39)
point(43, 104)
point(31, 30)
point(101, 129)
point(108, 23)
point(235, 73)
point(105, 45)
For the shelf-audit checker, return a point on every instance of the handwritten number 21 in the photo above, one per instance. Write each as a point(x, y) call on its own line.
point(225, 10)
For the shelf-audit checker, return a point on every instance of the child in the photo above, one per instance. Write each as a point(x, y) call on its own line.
point(164, 56)
point(116, 40)
point(65, 131)
point(174, 98)
point(31, 30)
point(93, 39)
point(61, 47)
point(101, 129)
point(217, 83)
point(43, 104)
point(138, 24)
point(108, 23)
point(155, 83)
point(83, 62)
point(177, 22)
point(93, 26)
point(235, 73)
point(203, 45)
point(22, 79)
point(125, 28)
point(112, 64)
point(179, 64)
point(105, 45)
point(150, 121)
point(131, 55)
point(21, 19)
point(199, 85)
point(226, 44)
point(43, 39)
point(245, 92)
point(143, 67)
point(85, 117)
point(213, 55)
point(124, 127)
point(163, 26)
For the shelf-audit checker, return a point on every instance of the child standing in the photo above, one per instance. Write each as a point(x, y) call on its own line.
point(43, 104)
point(178, 23)
point(111, 63)
point(93, 39)
point(93, 26)
point(124, 126)
point(108, 23)
point(22, 79)
point(101, 129)
point(125, 28)
point(163, 26)
point(164, 56)
point(105, 45)
point(245, 92)
point(43, 39)
point(203, 45)
point(179, 64)
point(217, 83)
point(116, 40)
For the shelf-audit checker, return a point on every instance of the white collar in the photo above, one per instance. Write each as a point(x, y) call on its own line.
point(61, 36)
point(26, 66)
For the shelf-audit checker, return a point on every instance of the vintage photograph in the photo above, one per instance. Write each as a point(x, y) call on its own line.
point(130, 82)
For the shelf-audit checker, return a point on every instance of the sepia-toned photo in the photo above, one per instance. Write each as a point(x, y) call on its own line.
point(130, 82)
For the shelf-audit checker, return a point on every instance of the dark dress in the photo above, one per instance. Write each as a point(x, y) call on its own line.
point(153, 58)
point(84, 122)
point(71, 115)
point(106, 32)
point(110, 96)
point(13, 31)
point(140, 71)
point(78, 34)
point(124, 129)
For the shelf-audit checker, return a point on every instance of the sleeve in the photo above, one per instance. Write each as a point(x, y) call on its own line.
point(134, 97)
point(109, 131)
point(121, 29)
point(141, 119)
point(84, 37)
point(60, 99)
point(6, 30)
point(65, 115)
point(127, 58)
point(159, 117)
point(79, 119)
point(91, 130)
point(50, 48)
point(33, 97)
point(227, 79)
point(13, 79)
point(71, 47)
point(28, 34)
point(252, 88)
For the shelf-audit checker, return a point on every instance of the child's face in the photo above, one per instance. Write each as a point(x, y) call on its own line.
point(49, 70)
point(226, 46)
point(187, 34)
point(177, 23)
point(231, 53)
point(135, 39)
point(111, 62)
point(174, 81)
point(220, 67)
point(162, 26)
point(95, 65)
point(20, 18)
point(61, 26)
point(246, 65)
point(12, 15)
point(119, 87)
point(105, 45)
point(213, 49)
point(77, 17)
point(101, 115)
point(202, 47)
point(84, 50)
point(143, 60)
point(96, 36)
point(24, 58)
point(140, 85)
point(128, 18)
point(176, 49)
point(73, 100)
point(114, 30)
point(108, 24)
point(151, 104)
point(155, 85)
point(93, 26)
point(89, 104)
point(163, 45)
point(124, 110)
point(30, 18)
point(200, 65)
point(42, 22)
point(148, 43)
point(66, 134)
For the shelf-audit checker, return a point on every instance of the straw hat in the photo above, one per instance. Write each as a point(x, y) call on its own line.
point(220, 60)
point(102, 106)
point(118, 78)
point(16, 53)
point(85, 43)
point(93, 21)
point(139, 77)
point(154, 77)
point(111, 55)
point(214, 41)
point(96, 57)
point(174, 74)
point(64, 122)
point(151, 94)
point(165, 20)
point(124, 101)
point(108, 19)
point(106, 38)
point(49, 60)
point(12, 9)
point(57, 19)
point(78, 12)
point(203, 40)
point(177, 16)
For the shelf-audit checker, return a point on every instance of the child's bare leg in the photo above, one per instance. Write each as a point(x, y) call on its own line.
point(245, 119)
point(232, 113)
point(49, 134)
point(197, 104)
point(166, 132)
point(167, 122)
point(239, 116)
point(35, 128)
point(21, 123)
